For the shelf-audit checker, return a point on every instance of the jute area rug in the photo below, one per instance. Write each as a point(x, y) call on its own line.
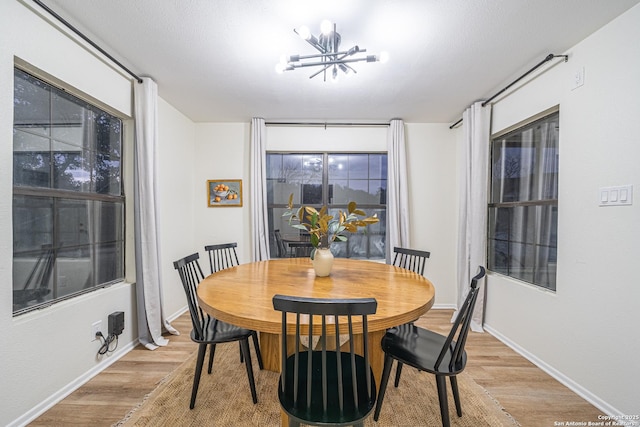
point(224, 399)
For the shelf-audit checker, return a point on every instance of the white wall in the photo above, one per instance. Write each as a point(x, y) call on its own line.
point(433, 204)
point(177, 198)
point(47, 353)
point(222, 152)
point(431, 165)
point(587, 332)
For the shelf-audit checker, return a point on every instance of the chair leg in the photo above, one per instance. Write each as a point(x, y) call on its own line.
point(441, 382)
point(240, 348)
point(398, 373)
point(256, 346)
point(456, 395)
point(244, 345)
point(212, 351)
point(388, 361)
point(202, 349)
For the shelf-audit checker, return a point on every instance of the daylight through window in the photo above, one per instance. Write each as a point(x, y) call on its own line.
point(68, 202)
point(523, 207)
point(331, 179)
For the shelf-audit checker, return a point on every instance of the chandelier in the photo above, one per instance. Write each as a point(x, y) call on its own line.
point(331, 58)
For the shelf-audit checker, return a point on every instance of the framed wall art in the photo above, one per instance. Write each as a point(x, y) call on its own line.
point(224, 193)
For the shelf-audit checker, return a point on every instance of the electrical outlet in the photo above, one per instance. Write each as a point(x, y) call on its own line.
point(95, 328)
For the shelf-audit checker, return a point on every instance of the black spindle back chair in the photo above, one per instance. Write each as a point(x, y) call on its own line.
point(208, 330)
point(411, 259)
point(326, 385)
point(300, 249)
point(431, 352)
point(414, 260)
point(222, 256)
point(280, 246)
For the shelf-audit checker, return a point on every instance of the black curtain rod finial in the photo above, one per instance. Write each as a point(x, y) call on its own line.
point(455, 124)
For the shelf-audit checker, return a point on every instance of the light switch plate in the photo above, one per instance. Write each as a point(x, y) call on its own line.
point(621, 195)
point(577, 79)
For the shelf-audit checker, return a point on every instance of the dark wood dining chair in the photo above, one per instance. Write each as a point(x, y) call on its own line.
point(280, 245)
point(300, 249)
point(208, 330)
point(411, 259)
point(325, 385)
point(431, 352)
point(414, 260)
point(222, 256)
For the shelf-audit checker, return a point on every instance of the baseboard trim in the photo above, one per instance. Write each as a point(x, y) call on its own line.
point(177, 314)
point(55, 398)
point(444, 307)
point(559, 376)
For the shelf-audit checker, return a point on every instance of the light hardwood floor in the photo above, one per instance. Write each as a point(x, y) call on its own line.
point(531, 396)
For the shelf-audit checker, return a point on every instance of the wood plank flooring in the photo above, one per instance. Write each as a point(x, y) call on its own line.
point(531, 396)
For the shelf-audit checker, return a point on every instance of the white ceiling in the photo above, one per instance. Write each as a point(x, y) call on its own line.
point(214, 60)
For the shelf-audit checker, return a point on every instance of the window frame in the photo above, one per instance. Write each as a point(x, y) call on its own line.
point(57, 195)
point(325, 194)
point(538, 204)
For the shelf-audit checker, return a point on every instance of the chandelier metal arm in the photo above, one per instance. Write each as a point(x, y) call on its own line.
point(330, 55)
point(370, 58)
point(345, 53)
point(329, 66)
point(313, 41)
point(322, 70)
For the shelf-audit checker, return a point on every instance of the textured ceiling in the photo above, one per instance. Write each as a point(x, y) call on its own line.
point(214, 60)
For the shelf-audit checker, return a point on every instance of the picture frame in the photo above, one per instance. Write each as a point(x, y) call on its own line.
point(224, 193)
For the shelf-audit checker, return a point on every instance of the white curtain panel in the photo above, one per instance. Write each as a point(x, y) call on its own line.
point(258, 191)
point(151, 320)
point(472, 226)
point(397, 189)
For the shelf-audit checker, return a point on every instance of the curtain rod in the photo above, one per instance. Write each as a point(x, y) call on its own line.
point(85, 38)
point(535, 67)
point(325, 124)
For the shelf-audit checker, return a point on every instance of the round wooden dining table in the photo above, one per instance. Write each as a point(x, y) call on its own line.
point(242, 295)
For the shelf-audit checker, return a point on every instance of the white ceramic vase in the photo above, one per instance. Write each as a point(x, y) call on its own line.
point(323, 262)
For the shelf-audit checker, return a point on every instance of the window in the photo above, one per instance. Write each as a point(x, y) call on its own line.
point(331, 179)
point(68, 201)
point(523, 203)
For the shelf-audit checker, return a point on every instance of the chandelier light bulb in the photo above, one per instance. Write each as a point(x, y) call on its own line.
point(304, 32)
point(334, 74)
point(326, 27)
point(280, 67)
point(345, 70)
point(383, 57)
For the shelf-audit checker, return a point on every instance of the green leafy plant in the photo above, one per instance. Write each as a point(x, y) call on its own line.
point(323, 228)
